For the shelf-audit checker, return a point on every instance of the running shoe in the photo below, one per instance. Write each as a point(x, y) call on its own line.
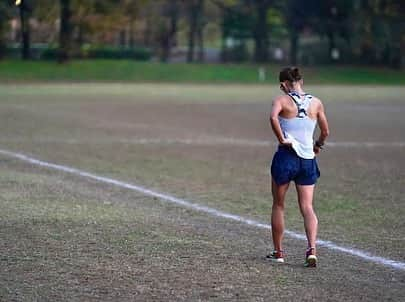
point(276, 256)
point(310, 258)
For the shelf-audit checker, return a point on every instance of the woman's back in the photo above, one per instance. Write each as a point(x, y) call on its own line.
point(298, 121)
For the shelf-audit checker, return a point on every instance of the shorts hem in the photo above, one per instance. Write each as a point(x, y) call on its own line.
point(280, 183)
point(306, 183)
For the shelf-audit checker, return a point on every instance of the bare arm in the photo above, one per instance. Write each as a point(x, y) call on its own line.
point(323, 126)
point(274, 122)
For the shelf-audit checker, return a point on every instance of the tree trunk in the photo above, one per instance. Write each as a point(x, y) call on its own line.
point(3, 18)
point(131, 33)
point(169, 30)
point(401, 63)
point(2, 45)
point(191, 42)
point(200, 39)
point(192, 31)
point(65, 34)
point(165, 46)
point(261, 32)
point(80, 34)
point(195, 34)
point(224, 56)
point(25, 33)
point(174, 16)
point(200, 32)
point(294, 40)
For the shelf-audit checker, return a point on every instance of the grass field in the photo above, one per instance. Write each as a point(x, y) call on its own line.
point(131, 71)
point(67, 238)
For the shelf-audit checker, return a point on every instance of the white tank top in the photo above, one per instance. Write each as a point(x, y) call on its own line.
point(300, 129)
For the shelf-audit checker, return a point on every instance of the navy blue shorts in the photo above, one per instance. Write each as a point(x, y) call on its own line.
point(287, 166)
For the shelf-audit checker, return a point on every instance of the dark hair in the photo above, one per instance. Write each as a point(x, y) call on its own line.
point(291, 74)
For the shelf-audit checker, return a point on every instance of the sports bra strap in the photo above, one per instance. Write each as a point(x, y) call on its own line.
point(302, 105)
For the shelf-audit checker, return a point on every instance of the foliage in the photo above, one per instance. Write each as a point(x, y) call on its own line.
point(108, 52)
point(380, 32)
point(5, 14)
point(365, 31)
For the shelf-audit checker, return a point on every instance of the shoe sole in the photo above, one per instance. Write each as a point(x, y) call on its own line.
point(278, 260)
point(311, 261)
point(275, 260)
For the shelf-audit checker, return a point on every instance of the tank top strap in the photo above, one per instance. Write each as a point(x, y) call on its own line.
point(301, 103)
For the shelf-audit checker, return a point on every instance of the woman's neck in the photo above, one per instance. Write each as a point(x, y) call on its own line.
point(298, 89)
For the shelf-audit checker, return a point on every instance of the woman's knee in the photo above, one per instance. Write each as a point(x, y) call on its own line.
point(307, 210)
point(278, 204)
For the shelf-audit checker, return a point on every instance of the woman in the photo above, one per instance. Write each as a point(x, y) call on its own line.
point(293, 119)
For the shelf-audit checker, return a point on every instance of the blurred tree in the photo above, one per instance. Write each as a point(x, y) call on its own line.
point(95, 20)
point(397, 12)
point(47, 13)
point(65, 33)
point(202, 22)
point(373, 29)
point(394, 12)
point(158, 21)
point(298, 15)
point(260, 28)
point(25, 9)
point(195, 14)
point(83, 16)
point(237, 23)
point(132, 9)
point(247, 18)
point(168, 28)
point(334, 22)
point(4, 17)
point(381, 31)
point(99, 20)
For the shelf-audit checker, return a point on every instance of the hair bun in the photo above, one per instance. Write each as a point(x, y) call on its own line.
point(295, 72)
point(291, 74)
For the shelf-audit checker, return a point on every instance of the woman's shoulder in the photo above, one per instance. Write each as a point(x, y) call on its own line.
point(315, 100)
point(281, 98)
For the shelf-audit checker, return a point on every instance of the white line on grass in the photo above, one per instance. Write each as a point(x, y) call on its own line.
point(328, 244)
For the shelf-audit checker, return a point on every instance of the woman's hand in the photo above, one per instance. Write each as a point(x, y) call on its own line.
point(286, 142)
point(318, 147)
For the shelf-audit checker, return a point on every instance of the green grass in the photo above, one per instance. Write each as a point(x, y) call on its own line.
point(131, 71)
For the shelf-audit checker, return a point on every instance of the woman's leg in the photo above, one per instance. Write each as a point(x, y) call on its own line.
point(305, 201)
point(277, 214)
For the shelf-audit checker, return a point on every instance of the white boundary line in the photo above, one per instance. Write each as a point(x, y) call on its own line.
point(184, 203)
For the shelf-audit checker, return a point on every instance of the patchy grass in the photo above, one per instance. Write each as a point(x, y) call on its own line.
point(89, 241)
point(69, 240)
point(87, 134)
